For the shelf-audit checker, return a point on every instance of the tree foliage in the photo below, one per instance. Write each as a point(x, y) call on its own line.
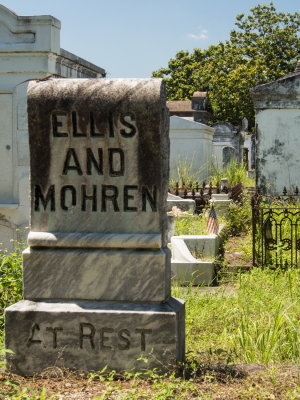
point(264, 46)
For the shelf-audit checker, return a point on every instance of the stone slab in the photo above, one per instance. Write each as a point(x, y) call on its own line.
point(208, 245)
point(99, 155)
point(221, 206)
point(96, 274)
point(220, 196)
point(87, 336)
point(198, 273)
point(182, 204)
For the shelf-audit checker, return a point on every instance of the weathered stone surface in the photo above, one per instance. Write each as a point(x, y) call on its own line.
point(221, 203)
point(96, 274)
point(92, 240)
point(99, 172)
point(277, 106)
point(227, 143)
point(104, 164)
point(182, 204)
point(88, 336)
point(194, 273)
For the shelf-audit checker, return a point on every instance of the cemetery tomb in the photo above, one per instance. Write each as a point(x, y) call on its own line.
point(277, 113)
point(29, 49)
point(97, 269)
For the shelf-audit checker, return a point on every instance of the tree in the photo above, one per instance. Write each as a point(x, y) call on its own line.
point(264, 46)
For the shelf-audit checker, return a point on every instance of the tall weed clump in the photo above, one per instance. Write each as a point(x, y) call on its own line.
point(269, 328)
point(188, 224)
point(187, 174)
point(256, 321)
point(234, 171)
point(10, 280)
point(239, 216)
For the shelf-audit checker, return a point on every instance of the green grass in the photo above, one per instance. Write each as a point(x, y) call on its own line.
point(190, 225)
point(258, 322)
point(256, 319)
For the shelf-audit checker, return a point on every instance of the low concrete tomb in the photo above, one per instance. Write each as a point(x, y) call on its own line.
point(97, 269)
point(185, 268)
point(183, 204)
point(221, 203)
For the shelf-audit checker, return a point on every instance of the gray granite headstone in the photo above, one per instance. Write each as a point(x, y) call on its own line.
point(97, 269)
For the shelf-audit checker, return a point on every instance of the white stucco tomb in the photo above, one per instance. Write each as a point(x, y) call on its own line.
point(29, 49)
point(227, 144)
point(277, 106)
point(191, 145)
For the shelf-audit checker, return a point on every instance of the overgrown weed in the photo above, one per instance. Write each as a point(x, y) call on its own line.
point(234, 171)
point(256, 321)
point(10, 279)
point(186, 173)
point(239, 216)
point(192, 224)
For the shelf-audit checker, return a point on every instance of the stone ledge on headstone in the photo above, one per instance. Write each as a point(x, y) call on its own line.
point(97, 240)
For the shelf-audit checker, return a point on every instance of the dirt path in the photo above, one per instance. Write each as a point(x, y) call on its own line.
point(238, 252)
point(213, 382)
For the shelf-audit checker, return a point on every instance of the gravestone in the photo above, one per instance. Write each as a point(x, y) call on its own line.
point(97, 269)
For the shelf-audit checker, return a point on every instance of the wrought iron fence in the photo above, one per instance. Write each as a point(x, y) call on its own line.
point(276, 230)
point(201, 194)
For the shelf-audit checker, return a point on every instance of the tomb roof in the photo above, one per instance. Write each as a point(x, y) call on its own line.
point(200, 94)
point(180, 105)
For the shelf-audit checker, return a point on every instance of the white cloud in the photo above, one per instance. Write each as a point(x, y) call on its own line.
point(202, 35)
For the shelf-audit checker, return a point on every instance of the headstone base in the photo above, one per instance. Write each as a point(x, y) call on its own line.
point(87, 336)
point(128, 275)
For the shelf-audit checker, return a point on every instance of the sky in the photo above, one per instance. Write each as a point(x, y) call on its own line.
point(132, 38)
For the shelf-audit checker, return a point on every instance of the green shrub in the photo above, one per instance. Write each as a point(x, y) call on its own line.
point(239, 216)
point(10, 279)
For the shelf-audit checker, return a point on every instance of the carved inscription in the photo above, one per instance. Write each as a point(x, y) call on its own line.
point(90, 337)
point(95, 198)
point(91, 160)
point(66, 125)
